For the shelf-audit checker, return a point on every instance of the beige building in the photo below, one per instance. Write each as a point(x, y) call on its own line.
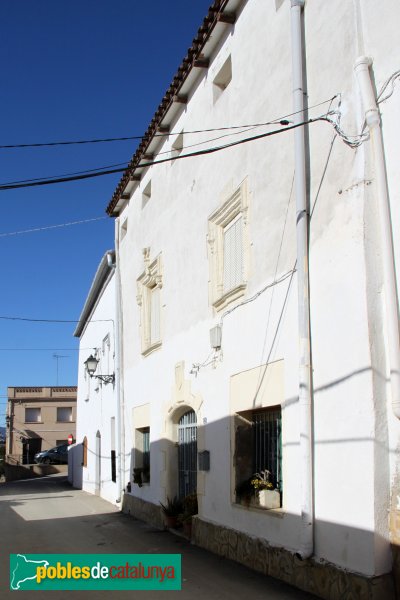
point(38, 418)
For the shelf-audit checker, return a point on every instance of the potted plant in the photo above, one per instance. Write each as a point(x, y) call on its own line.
point(190, 508)
point(172, 509)
point(259, 491)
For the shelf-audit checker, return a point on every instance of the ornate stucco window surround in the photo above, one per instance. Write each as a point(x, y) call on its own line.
point(228, 242)
point(149, 285)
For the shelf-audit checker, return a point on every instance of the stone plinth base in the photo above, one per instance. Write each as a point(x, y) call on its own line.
point(322, 579)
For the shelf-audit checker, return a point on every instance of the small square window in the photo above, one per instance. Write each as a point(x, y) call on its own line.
point(64, 414)
point(33, 415)
point(177, 146)
point(146, 194)
point(222, 78)
point(124, 229)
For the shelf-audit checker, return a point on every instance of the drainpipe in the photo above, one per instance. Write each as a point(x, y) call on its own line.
point(118, 367)
point(302, 224)
point(373, 121)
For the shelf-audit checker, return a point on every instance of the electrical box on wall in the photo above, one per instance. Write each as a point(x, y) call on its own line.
point(204, 460)
point(216, 337)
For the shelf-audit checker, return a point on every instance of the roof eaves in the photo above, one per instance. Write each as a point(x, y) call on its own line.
point(99, 280)
point(193, 54)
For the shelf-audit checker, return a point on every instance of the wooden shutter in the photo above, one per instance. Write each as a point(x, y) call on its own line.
point(155, 315)
point(233, 254)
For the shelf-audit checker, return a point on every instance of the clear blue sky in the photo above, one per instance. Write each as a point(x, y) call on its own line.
point(70, 70)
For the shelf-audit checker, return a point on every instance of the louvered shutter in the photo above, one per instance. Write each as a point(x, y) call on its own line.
point(155, 315)
point(233, 254)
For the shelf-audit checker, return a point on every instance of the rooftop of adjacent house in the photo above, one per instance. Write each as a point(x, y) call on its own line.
point(221, 14)
point(55, 392)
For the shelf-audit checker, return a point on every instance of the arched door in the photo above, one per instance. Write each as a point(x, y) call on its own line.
point(187, 454)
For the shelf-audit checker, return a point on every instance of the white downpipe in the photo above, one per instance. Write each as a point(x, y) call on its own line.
point(389, 269)
point(302, 220)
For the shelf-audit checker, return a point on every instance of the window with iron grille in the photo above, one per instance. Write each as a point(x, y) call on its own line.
point(141, 471)
point(258, 454)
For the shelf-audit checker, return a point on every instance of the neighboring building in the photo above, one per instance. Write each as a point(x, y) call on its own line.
point(207, 245)
point(38, 418)
point(93, 462)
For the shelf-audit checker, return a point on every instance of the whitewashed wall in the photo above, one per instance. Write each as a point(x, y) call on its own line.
point(356, 435)
point(96, 400)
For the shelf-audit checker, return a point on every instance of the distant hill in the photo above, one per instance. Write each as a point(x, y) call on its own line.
point(2, 433)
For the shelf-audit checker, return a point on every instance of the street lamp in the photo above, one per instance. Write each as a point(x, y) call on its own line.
point(91, 366)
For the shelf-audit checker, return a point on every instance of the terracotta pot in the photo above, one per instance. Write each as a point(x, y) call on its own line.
point(171, 522)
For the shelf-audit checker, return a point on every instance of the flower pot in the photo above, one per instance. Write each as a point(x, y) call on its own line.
point(171, 522)
point(268, 499)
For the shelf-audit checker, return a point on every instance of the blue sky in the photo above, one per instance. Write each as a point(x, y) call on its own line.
point(70, 70)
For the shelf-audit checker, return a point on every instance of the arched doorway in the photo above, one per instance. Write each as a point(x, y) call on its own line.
point(187, 454)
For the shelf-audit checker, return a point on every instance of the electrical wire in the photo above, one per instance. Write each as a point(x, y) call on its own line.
point(139, 137)
point(206, 151)
point(390, 81)
point(47, 227)
point(3, 318)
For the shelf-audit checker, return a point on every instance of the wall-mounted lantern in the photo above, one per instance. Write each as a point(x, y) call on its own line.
point(91, 366)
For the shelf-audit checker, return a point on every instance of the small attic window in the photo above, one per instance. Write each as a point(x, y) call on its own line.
point(146, 194)
point(222, 78)
point(177, 146)
point(124, 229)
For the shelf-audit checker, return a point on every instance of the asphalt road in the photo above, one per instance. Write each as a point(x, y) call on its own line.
point(48, 516)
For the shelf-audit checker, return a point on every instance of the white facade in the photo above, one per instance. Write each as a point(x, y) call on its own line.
point(93, 465)
point(172, 245)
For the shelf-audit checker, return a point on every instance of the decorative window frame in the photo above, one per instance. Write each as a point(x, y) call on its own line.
point(148, 280)
point(237, 203)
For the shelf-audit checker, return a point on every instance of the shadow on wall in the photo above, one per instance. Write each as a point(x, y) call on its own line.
point(235, 521)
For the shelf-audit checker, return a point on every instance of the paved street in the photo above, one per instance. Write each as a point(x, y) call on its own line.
point(47, 515)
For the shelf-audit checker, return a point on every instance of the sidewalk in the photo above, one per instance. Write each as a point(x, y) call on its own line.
point(48, 516)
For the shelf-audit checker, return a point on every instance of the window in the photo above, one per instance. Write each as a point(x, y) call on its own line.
point(62, 443)
point(222, 78)
point(177, 146)
point(228, 248)
point(146, 194)
point(233, 254)
point(141, 471)
point(33, 415)
point(64, 414)
point(149, 300)
point(124, 229)
point(113, 453)
point(258, 457)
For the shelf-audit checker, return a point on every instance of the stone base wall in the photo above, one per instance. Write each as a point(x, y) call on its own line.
point(15, 472)
point(145, 511)
point(322, 579)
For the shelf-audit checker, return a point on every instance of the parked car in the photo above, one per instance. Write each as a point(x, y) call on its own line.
point(57, 455)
